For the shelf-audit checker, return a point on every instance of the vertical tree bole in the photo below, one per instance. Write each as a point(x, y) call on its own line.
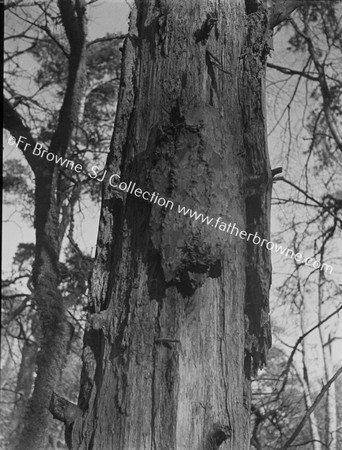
point(180, 307)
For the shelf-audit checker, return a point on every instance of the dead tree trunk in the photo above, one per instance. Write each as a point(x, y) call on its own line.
point(180, 308)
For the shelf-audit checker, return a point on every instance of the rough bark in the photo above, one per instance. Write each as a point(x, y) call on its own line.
point(180, 309)
point(23, 390)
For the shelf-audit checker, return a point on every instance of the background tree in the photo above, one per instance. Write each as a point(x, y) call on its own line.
point(59, 112)
point(306, 94)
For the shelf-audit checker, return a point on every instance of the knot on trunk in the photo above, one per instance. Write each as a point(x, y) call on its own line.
point(63, 410)
point(217, 436)
point(66, 412)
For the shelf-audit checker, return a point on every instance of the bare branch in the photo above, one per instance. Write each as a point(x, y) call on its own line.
point(308, 196)
point(56, 41)
point(16, 54)
point(12, 4)
point(325, 90)
point(281, 10)
point(75, 24)
point(14, 124)
point(6, 283)
point(311, 409)
point(16, 312)
point(288, 71)
point(107, 39)
point(44, 28)
point(299, 340)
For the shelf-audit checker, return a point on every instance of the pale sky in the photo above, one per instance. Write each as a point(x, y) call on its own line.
point(108, 16)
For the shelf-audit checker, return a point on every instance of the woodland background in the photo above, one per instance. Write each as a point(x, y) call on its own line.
point(304, 121)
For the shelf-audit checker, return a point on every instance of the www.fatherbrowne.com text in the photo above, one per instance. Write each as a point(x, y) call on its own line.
point(154, 197)
point(253, 237)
